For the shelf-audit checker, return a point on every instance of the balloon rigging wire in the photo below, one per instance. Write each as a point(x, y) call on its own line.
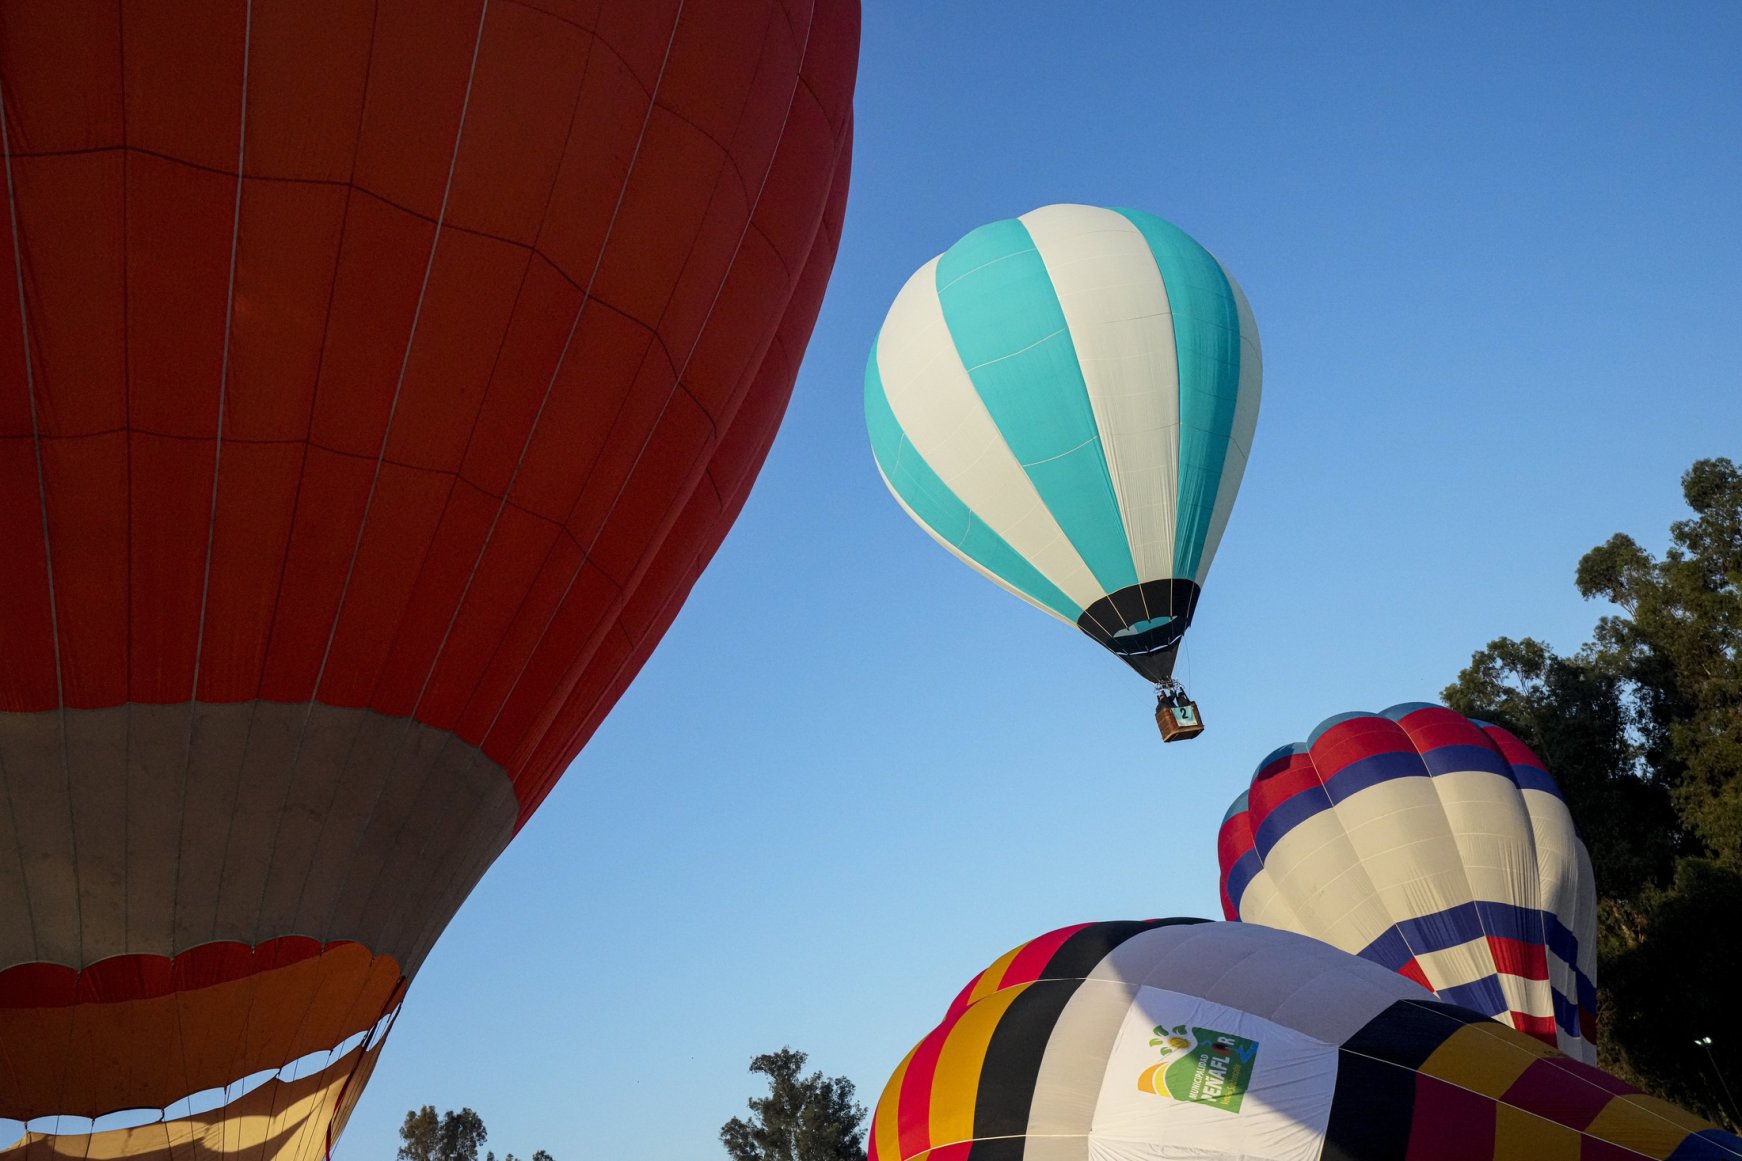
point(356, 551)
point(211, 536)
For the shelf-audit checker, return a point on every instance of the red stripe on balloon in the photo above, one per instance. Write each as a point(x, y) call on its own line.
point(913, 1107)
point(123, 978)
point(1027, 965)
point(1234, 839)
point(1349, 742)
point(1412, 971)
point(1514, 751)
point(1434, 726)
point(1516, 958)
point(1544, 1089)
point(1031, 962)
point(955, 1151)
point(1279, 786)
point(1450, 1123)
point(1541, 1027)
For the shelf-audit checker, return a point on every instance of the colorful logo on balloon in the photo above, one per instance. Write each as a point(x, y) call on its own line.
point(1200, 1065)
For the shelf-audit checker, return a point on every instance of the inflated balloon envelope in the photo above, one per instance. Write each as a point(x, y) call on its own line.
point(1181, 1038)
point(375, 381)
point(1066, 401)
point(1434, 845)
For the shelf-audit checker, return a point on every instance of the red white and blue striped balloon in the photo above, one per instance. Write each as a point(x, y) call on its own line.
point(1436, 845)
point(1065, 401)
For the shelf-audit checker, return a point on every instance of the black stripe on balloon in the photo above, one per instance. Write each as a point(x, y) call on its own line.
point(1012, 1061)
point(1371, 1110)
point(1373, 1105)
point(1002, 1149)
point(1109, 619)
point(1407, 1032)
point(1078, 955)
point(1135, 604)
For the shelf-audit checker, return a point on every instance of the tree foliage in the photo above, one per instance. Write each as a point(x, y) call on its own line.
point(452, 1136)
point(803, 1118)
point(1642, 727)
point(449, 1137)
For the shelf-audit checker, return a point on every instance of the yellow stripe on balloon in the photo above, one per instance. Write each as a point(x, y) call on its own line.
point(1484, 1058)
point(1644, 1124)
point(886, 1121)
point(956, 1083)
point(987, 982)
point(1522, 1136)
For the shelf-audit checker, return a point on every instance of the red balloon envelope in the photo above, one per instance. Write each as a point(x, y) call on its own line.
point(375, 381)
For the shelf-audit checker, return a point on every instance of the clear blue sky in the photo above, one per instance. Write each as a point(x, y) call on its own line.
point(1495, 255)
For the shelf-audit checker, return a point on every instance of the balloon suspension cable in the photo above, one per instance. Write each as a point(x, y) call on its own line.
point(1170, 692)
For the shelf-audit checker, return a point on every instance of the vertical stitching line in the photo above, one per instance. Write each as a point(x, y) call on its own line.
point(259, 677)
point(561, 362)
point(381, 453)
point(293, 767)
point(223, 378)
point(458, 479)
point(211, 522)
point(767, 442)
point(450, 739)
point(749, 223)
point(127, 449)
point(302, 467)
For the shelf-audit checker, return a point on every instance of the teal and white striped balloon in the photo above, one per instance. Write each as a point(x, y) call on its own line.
point(1066, 400)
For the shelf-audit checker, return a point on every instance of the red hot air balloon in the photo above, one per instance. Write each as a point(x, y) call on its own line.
point(375, 381)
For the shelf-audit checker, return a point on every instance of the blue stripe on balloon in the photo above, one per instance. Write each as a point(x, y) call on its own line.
point(1206, 335)
point(1470, 921)
point(1510, 921)
point(1560, 940)
point(1389, 950)
point(1392, 950)
point(1009, 330)
point(1458, 759)
point(1240, 876)
point(1484, 995)
point(1587, 990)
point(1708, 1145)
point(1566, 1014)
point(1371, 771)
point(1286, 815)
point(1350, 780)
point(1535, 778)
point(942, 510)
point(1442, 929)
